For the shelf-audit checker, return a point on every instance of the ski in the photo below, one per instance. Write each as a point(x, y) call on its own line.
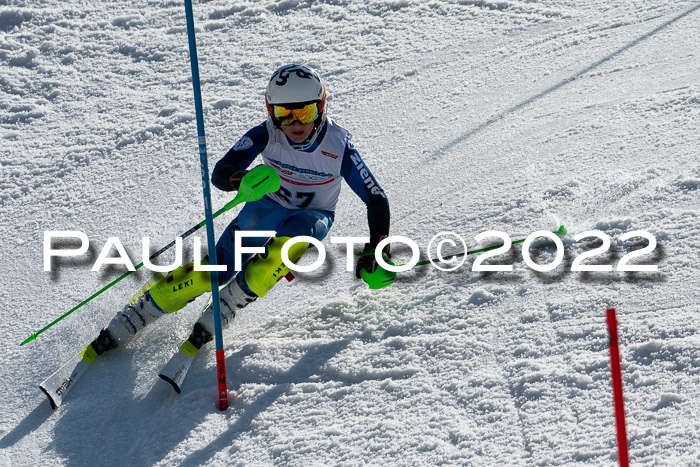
point(176, 369)
point(57, 386)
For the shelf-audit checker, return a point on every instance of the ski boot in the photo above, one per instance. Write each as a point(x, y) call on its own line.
point(124, 326)
point(171, 293)
point(258, 277)
point(234, 296)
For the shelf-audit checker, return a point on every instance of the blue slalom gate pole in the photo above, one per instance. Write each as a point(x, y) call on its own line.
point(211, 242)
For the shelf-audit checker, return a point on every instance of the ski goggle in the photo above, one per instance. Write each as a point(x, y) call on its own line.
point(287, 116)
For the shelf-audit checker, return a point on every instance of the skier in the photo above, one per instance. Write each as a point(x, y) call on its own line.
point(311, 153)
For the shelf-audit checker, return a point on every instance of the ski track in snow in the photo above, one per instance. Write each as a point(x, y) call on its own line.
point(474, 116)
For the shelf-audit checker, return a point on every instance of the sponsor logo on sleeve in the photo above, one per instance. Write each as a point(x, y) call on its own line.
point(364, 173)
point(243, 144)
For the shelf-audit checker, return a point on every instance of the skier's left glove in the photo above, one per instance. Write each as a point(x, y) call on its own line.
point(235, 179)
point(367, 260)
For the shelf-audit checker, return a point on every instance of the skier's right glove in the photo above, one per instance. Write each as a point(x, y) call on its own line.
point(235, 179)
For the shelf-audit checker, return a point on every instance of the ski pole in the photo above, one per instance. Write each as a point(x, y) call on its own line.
point(381, 278)
point(254, 185)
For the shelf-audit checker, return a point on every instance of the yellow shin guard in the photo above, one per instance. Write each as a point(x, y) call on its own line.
point(262, 274)
point(180, 287)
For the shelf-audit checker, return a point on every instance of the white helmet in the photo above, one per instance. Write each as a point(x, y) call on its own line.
point(294, 86)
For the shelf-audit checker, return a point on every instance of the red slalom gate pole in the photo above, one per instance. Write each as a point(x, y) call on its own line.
point(616, 370)
point(221, 379)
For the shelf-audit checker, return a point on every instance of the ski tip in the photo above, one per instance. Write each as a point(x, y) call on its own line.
point(562, 230)
point(171, 382)
point(54, 406)
point(29, 339)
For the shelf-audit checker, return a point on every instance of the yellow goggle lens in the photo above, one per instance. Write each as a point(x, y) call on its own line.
point(286, 116)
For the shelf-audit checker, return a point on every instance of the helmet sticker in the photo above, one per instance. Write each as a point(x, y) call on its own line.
point(285, 72)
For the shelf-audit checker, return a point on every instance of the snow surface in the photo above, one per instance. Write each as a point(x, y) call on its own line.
point(474, 115)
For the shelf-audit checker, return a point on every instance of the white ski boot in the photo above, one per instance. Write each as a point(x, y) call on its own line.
point(232, 297)
point(124, 326)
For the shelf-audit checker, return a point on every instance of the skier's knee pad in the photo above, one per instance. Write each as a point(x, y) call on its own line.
point(180, 287)
point(264, 271)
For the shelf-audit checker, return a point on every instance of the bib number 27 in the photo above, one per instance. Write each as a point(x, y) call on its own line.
point(305, 197)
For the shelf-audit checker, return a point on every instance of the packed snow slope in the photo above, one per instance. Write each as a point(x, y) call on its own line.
point(515, 116)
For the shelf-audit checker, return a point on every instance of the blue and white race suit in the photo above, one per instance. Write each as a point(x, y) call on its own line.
point(310, 186)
